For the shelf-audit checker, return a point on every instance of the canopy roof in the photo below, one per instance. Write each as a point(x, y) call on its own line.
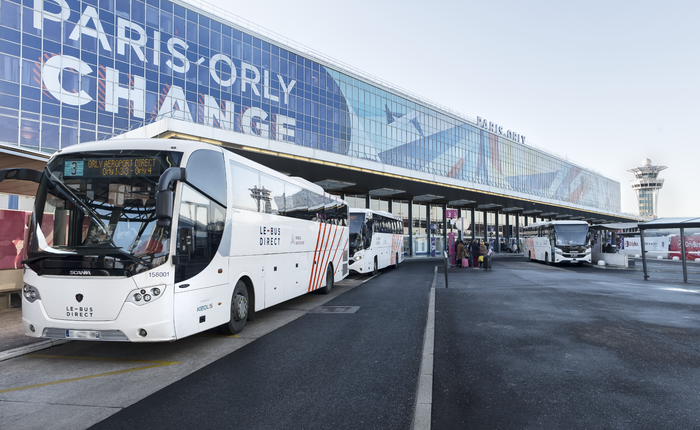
point(678, 222)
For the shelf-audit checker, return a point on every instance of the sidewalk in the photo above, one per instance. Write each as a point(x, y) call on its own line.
point(13, 342)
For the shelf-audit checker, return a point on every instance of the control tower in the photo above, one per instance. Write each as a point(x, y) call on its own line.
point(647, 186)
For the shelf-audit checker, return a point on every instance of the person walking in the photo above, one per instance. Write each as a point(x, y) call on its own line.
point(482, 252)
point(475, 249)
point(460, 253)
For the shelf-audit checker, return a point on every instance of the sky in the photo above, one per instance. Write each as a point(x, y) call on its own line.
point(603, 84)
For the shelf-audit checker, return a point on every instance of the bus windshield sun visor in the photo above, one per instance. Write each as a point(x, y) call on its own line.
point(21, 174)
point(164, 197)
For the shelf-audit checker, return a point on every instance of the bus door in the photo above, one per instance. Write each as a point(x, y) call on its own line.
point(201, 276)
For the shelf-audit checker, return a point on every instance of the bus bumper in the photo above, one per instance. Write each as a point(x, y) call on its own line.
point(149, 323)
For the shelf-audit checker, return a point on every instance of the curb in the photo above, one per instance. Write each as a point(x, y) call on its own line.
point(28, 349)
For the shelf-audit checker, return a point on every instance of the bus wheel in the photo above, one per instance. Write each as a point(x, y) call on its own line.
point(375, 270)
point(396, 265)
point(239, 310)
point(529, 256)
point(546, 259)
point(329, 281)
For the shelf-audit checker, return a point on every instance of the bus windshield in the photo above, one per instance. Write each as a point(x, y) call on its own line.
point(357, 220)
point(571, 234)
point(97, 210)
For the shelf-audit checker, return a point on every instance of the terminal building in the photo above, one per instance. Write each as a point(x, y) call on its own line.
point(76, 71)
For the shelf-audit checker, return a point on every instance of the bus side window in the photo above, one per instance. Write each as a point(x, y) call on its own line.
point(295, 201)
point(206, 171)
point(272, 195)
point(245, 181)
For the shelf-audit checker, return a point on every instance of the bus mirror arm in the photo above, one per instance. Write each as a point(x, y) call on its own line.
point(21, 174)
point(164, 197)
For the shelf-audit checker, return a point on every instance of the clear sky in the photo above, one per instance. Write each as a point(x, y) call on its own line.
point(602, 83)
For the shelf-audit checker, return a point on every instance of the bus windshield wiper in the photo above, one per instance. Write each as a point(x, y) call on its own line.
point(77, 201)
point(41, 257)
point(113, 250)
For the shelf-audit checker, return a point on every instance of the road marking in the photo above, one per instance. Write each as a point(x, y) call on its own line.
point(116, 372)
point(424, 396)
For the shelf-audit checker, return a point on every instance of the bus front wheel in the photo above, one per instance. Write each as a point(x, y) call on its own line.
point(375, 270)
point(329, 281)
point(239, 310)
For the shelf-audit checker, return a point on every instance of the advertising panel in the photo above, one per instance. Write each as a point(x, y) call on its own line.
point(654, 246)
point(12, 238)
point(692, 247)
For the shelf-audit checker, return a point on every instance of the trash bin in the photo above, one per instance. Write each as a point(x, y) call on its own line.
point(487, 262)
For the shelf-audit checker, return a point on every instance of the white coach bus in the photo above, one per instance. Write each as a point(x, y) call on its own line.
point(376, 240)
point(558, 242)
point(155, 240)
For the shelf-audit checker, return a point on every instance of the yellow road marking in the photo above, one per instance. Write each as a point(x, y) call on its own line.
point(116, 372)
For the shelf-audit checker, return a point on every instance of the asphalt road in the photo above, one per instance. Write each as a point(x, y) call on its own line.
point(525, 345)
point(536, 346)
point(322, 371)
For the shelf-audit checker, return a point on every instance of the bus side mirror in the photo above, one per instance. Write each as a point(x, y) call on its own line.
point(164, 208)
point(164, 197)
point(185, 246)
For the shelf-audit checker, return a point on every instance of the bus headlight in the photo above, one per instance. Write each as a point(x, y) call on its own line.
point(30, 293)
point(588, 250)
point(558, 251)
point(145, 295)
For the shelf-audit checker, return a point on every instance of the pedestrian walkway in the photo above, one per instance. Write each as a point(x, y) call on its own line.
point(13, 342)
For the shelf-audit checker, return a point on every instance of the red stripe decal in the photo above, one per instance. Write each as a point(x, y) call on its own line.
point(312, 267)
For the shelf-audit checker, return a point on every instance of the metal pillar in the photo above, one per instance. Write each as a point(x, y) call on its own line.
point(685, 269)
point(473, 225)
point(427, 225)
point(507, 235)
point(497, 240)
point(444, 226)
point(410, 227)
point(367, 201)
point(517, 231)
point(644, 253)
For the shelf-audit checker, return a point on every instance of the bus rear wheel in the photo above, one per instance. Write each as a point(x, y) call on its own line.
point(239, 310)
point(396, 265)
point(329, 281)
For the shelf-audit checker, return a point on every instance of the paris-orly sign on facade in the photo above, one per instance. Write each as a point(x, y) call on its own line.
point(178, 47)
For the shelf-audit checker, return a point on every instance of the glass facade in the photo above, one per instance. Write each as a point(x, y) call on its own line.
point(74, 71)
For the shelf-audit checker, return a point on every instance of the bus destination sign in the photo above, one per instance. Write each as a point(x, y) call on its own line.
point(112, 167)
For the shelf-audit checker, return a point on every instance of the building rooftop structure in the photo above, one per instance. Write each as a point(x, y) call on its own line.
point(647, 185)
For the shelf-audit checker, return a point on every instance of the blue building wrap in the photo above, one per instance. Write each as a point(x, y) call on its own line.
point(76, 71)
